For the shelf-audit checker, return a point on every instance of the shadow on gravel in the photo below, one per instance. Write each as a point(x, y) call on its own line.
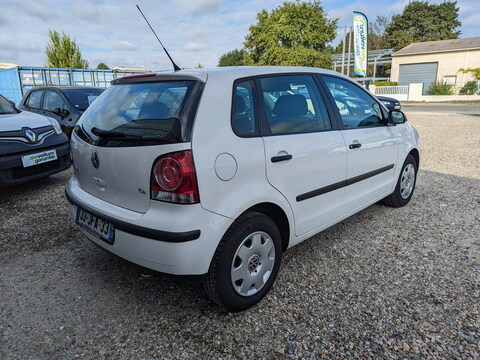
point(33, 188)
point(383, 283)
point(33, 216)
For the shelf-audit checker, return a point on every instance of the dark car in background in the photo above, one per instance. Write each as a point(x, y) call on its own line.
point(32, 146)
point(64, 103)
point(390, 103)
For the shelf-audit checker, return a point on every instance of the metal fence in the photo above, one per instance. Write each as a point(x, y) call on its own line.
point(15, 82)
point(398, 92)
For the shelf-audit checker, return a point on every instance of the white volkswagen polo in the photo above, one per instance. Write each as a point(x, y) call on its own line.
point(217, 172)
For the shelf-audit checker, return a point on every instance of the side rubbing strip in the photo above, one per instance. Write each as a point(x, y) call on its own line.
point(368, 175)
point(321, 191)
point(341, 184)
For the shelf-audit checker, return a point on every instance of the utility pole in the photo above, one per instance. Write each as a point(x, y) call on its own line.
point(349, 47)
point(343, 50)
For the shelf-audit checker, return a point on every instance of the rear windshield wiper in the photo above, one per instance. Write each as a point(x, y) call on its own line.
point(110, 133)
point(117, 135)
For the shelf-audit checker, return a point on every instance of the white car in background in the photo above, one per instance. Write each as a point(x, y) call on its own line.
point(217, 172)
point(32, 146)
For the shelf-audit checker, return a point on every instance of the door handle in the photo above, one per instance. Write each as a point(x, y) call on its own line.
point(354, 146)
point(281, 158)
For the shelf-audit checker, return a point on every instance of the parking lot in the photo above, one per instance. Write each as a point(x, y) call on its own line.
point(385, 283)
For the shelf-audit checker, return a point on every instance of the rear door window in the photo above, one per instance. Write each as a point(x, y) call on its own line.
point(293, 105)
point(34, 100)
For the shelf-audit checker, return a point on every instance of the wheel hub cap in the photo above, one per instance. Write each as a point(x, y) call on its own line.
point(407, 181)
point(253, 263)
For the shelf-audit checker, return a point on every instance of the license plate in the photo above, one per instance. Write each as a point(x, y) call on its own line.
point(39, 158)
point(94, 225)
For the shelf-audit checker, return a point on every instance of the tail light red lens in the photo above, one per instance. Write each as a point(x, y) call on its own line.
point(174, 179)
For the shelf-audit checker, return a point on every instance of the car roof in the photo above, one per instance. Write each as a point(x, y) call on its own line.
point(66, 87)
point(385, 97)
point(225, 73)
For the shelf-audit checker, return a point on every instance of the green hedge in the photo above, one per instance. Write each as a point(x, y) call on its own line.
point(440, 89)
point(384, 83)
point(470, 88)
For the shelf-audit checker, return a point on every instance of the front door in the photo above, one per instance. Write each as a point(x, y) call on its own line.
point(305, 154)
point(371, 144)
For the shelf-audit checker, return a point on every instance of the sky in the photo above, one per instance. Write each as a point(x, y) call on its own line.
point(194, 31)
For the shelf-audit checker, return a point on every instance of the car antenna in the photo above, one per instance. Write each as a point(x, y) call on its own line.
point(175, 66)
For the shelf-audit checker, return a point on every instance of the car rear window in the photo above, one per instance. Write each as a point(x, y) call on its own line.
point(141, 114)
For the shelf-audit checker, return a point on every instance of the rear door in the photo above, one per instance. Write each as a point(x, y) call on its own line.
point(305, 153)
point(371, 144)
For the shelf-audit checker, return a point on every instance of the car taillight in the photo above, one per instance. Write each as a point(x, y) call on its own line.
point(174, 179)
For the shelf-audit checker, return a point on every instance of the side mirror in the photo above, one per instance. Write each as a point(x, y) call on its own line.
point(65, 113)
point(57, 111)
point(396, 117)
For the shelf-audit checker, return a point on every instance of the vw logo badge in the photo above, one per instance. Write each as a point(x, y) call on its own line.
point(31, 136)
point(95, 160)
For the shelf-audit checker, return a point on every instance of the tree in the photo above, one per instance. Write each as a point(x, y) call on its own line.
point(63, 52)
point(103, 66)
point(233, 58)
point(199, 66)
point(295, 33)
point(474, 71)
point(422, 21)
point(377, 37)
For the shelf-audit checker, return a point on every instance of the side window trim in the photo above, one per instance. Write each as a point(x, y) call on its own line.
point(264, 123)
point(335, 120)
point(335, 108)
point(250, 79)
point(331, 102)
point(263, 120)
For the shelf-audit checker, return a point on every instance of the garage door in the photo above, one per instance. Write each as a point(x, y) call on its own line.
point(425, 73)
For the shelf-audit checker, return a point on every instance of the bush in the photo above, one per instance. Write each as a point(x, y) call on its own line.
point(384, 83)
point(440, 89)
point(470, 88)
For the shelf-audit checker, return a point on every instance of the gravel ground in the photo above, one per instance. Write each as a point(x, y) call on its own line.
point(384, 284)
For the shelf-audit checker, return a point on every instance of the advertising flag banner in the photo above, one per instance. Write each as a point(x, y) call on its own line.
point(360, 36)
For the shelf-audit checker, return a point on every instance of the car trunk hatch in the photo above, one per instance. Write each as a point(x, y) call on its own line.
point(120, 176)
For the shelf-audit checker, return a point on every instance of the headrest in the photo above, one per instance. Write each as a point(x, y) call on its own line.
point(239, 104)
point(154, 110)
point(290, 105)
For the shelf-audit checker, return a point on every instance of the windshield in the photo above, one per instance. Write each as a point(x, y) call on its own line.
point(81, 99)
point(6, 107)
point(130, 114)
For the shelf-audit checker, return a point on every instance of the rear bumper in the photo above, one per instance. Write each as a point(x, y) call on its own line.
point(173, 239)
point(12, 171)
point(133, 229)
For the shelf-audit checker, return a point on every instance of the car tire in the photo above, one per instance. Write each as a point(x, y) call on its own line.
point(405, 184)
point(245, 263)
